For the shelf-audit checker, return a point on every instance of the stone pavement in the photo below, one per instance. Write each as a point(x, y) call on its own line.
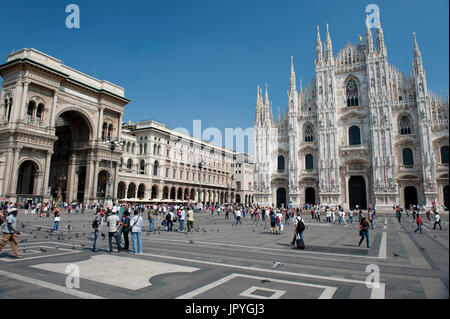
point(221, 260)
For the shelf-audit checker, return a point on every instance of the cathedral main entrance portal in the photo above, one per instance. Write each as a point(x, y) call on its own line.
point(357, 192)
point(281, 197)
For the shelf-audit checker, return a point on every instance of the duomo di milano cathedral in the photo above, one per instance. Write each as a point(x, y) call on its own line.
point(361, 133)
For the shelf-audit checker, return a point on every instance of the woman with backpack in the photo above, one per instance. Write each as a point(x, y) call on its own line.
point(364, 231)
point(299, 229)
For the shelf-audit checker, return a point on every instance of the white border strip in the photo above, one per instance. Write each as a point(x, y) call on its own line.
point(326, 294)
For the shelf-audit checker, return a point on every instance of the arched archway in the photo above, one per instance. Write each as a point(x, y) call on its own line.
point(192, 197)
point(26, 178)
point(446, 197)
point(172, 193)
point(131, 193)
point(154, 192)
point(102, 184)
point(357, 192)
point(180, 194)
point(141, 191)
point(281, 197)
point(166, 192)
point(238, 199)
point(121, 190)
point(410, 193)
point(67, 181)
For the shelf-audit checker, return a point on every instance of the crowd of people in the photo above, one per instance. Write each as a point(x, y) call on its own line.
point(124, 219)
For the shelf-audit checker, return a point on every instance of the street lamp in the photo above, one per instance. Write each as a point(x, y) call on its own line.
point(112, 144)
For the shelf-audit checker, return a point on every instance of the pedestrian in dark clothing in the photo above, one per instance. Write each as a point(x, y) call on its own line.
point(364, 231)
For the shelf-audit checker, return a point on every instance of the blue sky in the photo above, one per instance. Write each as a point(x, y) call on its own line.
point(185, 60)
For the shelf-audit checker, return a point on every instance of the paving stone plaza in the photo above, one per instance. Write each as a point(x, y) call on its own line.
point(222, 260)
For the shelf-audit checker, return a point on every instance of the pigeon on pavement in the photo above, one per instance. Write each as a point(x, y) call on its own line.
point(276, 264)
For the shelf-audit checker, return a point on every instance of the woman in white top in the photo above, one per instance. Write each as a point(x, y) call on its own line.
point(136, 226)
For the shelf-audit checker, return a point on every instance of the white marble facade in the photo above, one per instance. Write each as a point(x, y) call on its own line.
point(361, 133)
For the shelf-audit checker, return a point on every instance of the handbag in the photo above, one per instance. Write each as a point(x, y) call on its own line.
point(164, 223)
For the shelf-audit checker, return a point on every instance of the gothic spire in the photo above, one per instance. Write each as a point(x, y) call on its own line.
point(292, 83)
point(380, 41)
point(369, 38)
point(319, 53)
point(417, 56)
point(328, 47)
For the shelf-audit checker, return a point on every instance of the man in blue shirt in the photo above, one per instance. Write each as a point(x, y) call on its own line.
point(10, 233)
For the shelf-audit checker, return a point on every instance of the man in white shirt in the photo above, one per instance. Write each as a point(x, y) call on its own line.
point(437, 220)
point(136, 224)
point(113, 222)
point(279, 221)
point(182, 218)
point(238, 216)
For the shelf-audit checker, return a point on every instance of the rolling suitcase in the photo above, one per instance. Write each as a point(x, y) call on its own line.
point(300, 243)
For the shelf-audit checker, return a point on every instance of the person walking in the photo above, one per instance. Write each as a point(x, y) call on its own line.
point(151, 220)
point(190, 220)
point(97, 224)
point(113, 223)
point(10, 233)
point(137, 225)
point(299, 228)
point(364, 231)
point(419, 223)
point(350, 216)
point(437, 220)
point(399, 215)
point(371, 219)
point(57, 219)
point(238, 216)
point(125, 223)
point(182, 219)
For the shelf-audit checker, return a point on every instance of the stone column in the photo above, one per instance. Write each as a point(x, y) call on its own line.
point(100, 124)
point(53, 110)
point(114, 187)
point(46, 172)
point(95, 179)
point(70, 178)
point(89, 179)
point(14, 172)
point(7, 172)
point(21, 115)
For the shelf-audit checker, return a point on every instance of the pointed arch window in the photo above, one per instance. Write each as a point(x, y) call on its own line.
point(309, 134)
point(142, 167)
point(352, 93)
point(129, 164)
point(405, 125)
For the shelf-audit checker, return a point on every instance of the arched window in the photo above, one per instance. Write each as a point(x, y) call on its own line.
point(354, 135)
point(30, 110)
point(129, 163)
point(309, 161)
point(145, 148)
point(405, 125)
point(142, 167)
point(140, 149)
point(128, 147)
point(408, 159)
point(104, 129)
point(309, 134)
point(8, 107)
point(444, 154)
point(280, 163)
point(352, 93)
point(155, 168)
point(39, 111)
point(110, 131)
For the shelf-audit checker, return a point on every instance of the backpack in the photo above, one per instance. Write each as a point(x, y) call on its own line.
point(277, 219)
point(95, 223)
point(168, 217)
point(300, 226)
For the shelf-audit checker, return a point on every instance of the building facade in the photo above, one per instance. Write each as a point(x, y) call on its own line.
point(160, 164)
point(54, 125)
point(52, 122)
point(361, 133)
point(244, 179)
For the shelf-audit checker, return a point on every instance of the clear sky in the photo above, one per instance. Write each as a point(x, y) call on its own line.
point(184, 60)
